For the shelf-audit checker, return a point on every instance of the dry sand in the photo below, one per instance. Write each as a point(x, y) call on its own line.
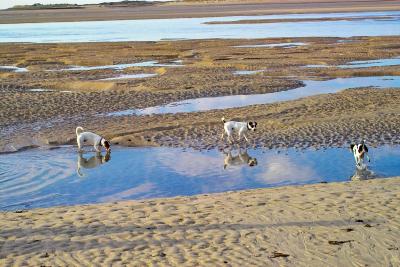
point(338, 224)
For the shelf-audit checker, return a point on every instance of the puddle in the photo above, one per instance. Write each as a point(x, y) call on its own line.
point(43, 178)
point(42, 90)
point(246, 72)
point(195, 28)
point(317, 66)
point(152, 63)
point(311, 88)
point(284, 45)
point(371, 63)
point(13, 68)
point(131, 76)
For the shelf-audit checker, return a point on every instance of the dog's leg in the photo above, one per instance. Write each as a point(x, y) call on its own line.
point(245, 137)
point(97, 148)
point(230, 139)
point(79, 144)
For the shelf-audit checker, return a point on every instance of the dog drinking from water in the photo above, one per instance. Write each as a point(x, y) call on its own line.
point(239, 127)
point(88, 138)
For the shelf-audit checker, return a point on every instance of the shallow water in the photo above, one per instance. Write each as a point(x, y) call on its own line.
point(246, 72)
point(131, 76)
point(43, 178)
point(13, 68)
point(371, 63)
point(151, 63)
point(285, 45)
point(195, 28)
point(311, 88)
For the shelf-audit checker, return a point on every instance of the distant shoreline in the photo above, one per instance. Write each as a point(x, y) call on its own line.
point(191, 10)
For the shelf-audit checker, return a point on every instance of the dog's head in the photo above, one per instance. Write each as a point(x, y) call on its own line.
point(252, 125)
point(252, 162)
point(106, 145)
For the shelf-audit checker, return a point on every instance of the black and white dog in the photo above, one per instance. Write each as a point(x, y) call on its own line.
point(89, 138)
point(241, 128)
point(242, 158)
point(359, 151)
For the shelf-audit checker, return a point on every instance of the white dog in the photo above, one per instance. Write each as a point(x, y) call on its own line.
point(240, 127)
point(359, 151)
point(89, 138)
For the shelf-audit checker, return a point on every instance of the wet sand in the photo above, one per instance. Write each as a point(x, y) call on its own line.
point(192, 9)
point(42, 118)
point(338, 224)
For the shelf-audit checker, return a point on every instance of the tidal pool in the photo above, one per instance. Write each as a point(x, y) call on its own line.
point(151, 63)
point(311, 88)
point(130, 76)
point(284, 45)
point(53, 177)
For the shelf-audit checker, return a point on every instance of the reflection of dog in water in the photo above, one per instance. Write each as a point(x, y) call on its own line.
point(241, 158)
point(363, 173)
point(92, 162)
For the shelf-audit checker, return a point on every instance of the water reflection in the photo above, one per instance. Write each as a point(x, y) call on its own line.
point(92, 162)
point(363, 173)
point(42, 178)
point(238, 159)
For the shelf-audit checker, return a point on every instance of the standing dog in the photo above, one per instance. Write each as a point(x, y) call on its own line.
point(359, 151)
point(89, 138)
point(240, 127)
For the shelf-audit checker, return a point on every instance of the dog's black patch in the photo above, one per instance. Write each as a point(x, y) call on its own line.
point(106, 144)
point(352, 146)
point(366, 148)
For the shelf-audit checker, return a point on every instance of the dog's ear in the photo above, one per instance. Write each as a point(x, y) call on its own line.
point(352, 146)
point(366, 148)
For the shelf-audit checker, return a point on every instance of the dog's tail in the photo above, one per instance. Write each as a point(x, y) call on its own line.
point(223, 120)
point(79, 130)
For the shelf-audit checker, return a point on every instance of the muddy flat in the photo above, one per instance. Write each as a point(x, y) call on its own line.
point(194, 9)
point(51, 95)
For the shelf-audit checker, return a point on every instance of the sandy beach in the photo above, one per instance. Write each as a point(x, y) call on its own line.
point(48, 89)
point(338, 224)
